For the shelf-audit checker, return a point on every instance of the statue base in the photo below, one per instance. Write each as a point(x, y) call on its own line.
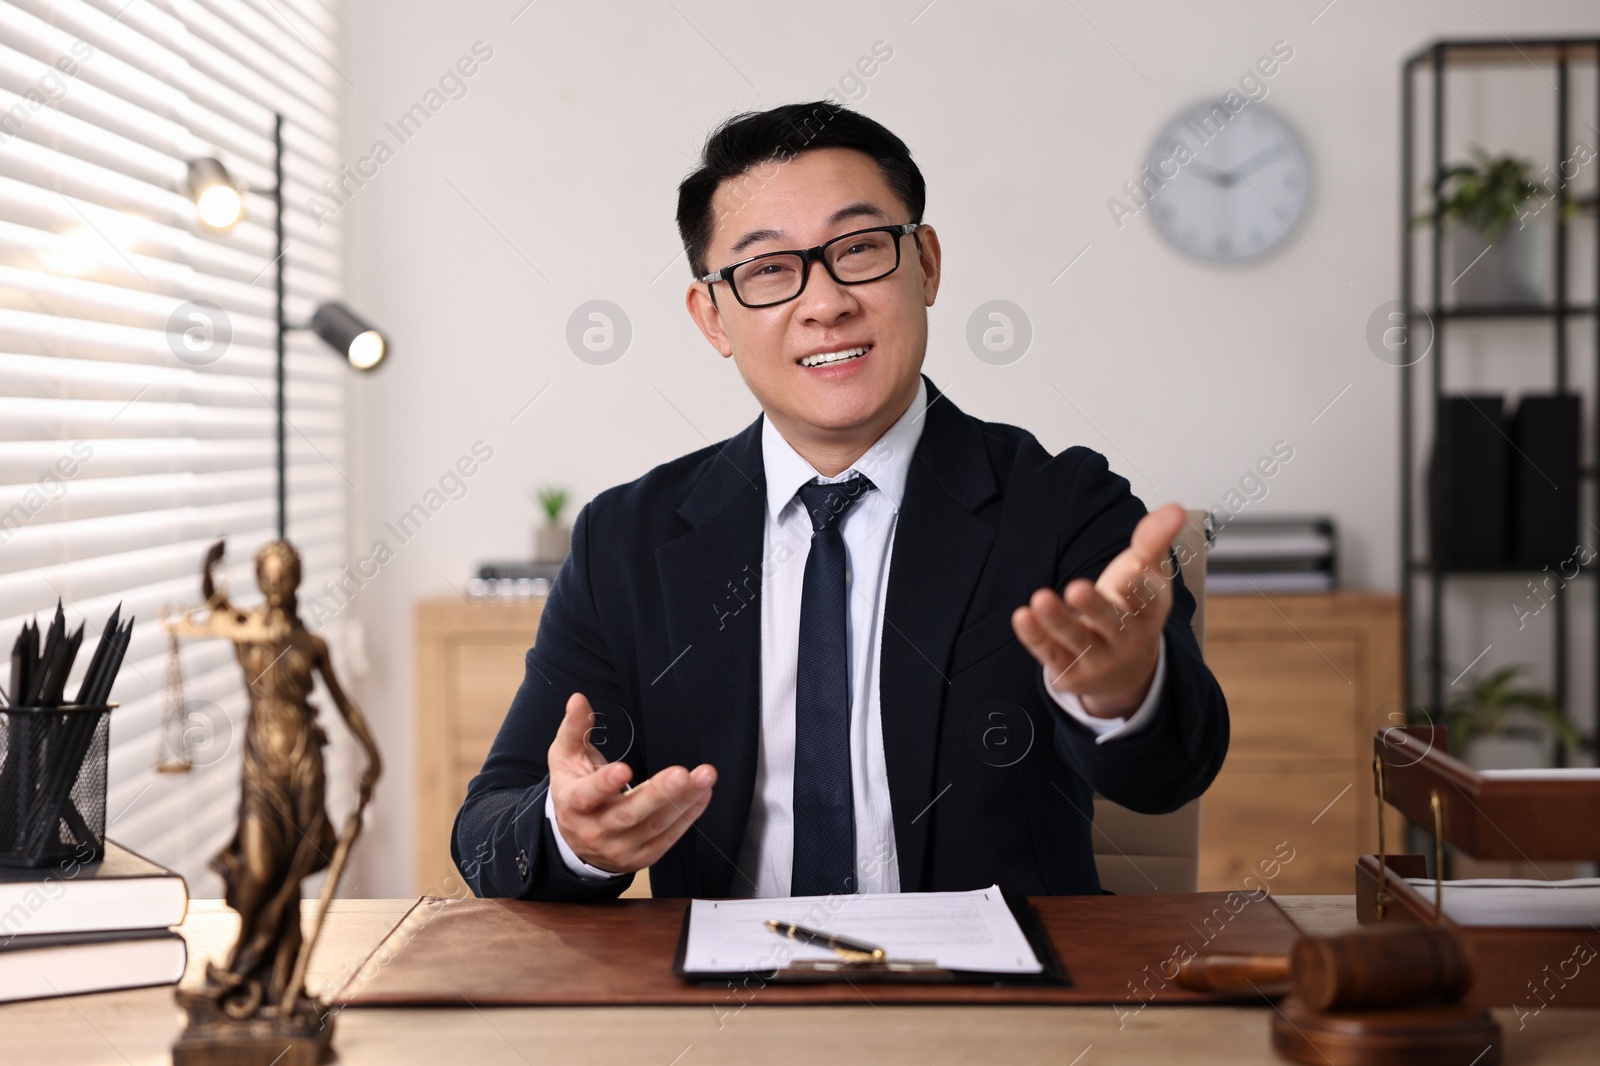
point(213, 1038)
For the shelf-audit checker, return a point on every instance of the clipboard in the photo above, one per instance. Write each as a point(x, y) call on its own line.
point(893, 971)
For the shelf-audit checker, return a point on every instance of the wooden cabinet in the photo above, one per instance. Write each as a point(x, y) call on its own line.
point(469, 663)
point(1309, 679)
point(469, 657)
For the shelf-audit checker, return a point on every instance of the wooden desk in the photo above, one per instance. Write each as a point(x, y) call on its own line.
point(128, 1028)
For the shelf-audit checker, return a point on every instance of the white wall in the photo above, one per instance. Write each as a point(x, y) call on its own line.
point(552, 182)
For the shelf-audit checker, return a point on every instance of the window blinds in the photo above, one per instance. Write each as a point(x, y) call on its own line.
point(137, 389)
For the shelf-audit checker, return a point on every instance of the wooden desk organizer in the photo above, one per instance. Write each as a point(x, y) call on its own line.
point(1523, 967)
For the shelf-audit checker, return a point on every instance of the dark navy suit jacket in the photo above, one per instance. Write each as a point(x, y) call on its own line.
point(655, 616)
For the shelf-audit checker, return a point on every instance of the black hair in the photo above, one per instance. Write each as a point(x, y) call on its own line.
point(778, 135)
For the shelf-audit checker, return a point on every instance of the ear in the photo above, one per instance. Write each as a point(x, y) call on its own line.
point(930, 259)
point(708, 317)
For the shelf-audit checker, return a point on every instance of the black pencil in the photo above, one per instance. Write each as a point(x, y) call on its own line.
point(55, 684)
point(91, 676)
point(31, 651)
point(36, 665)
point(19, 668)
point(82, 726)
point(108, 669)
point(49, 657)
point(108, 675)
point(22, 667)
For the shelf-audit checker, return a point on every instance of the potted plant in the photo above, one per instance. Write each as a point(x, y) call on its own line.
point(553, 540)
point(1499, 231)
point(1495, 724)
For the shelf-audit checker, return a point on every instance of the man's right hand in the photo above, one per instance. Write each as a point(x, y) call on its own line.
point(608, 828)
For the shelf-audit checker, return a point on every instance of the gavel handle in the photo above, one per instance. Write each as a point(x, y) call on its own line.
point(1233, 973)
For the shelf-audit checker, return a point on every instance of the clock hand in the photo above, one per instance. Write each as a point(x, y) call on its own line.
point(1253, 164)
point(1205, 173)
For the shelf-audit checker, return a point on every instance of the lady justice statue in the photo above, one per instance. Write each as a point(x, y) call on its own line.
point(254, 1006)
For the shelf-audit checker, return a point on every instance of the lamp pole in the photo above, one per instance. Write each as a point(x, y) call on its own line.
point(340, 328)
point(283, 324)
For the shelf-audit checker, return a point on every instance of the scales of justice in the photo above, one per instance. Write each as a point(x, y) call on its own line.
point(253, 1006)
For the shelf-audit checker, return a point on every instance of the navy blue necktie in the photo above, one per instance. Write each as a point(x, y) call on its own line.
point(824, 809)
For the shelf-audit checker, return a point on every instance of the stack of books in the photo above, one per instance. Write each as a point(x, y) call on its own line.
point(73, 927)
point(1287, 553)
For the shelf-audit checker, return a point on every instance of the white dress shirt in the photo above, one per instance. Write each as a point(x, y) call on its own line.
point(767, 856)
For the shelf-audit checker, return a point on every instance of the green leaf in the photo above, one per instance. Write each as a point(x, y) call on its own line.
point(553, 501)
point(1480, 709)
point(1486, 196)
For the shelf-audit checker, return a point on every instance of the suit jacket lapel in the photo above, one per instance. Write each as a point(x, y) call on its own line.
point(940, 549)
point(711, 580)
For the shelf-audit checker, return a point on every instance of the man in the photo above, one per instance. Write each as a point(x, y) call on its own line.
point(828, 654)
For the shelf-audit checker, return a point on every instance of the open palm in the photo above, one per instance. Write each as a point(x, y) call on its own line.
point(1101, 640)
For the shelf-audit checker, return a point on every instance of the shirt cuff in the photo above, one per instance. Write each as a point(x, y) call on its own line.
point(1107, 728)
point(568, 856)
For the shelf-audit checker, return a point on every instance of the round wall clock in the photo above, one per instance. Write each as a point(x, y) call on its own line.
point(1233, 186)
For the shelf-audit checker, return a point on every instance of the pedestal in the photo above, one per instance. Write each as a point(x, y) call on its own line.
point(212, 1038)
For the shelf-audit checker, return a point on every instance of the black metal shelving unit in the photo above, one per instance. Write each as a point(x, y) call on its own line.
point(1556, 56)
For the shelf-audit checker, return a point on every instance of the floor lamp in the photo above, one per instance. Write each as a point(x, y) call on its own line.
point(219, 202)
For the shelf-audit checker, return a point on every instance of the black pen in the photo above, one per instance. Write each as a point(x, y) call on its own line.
point(842, 944)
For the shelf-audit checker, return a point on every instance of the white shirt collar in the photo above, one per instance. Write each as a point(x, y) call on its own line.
point(886, 463)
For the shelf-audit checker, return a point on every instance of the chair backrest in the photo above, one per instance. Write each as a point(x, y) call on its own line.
point(1137, 854)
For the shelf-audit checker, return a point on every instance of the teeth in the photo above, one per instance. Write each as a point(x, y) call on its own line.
point(833, 357)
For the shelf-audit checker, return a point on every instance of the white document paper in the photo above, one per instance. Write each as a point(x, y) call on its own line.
point(1505, 901)
point(956, 930)
point(1561, 773)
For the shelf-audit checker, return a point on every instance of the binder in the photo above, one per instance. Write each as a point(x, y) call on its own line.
point(1545, 490)
point(1467, 483)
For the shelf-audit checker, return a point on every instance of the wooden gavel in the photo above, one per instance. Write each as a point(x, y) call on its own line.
point(1388, 966)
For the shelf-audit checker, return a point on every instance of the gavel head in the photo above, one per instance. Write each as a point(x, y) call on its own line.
point(1389, 965)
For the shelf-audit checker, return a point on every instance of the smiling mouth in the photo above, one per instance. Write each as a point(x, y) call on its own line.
point(829, 358)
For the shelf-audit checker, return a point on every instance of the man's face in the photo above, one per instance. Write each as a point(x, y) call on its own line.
point(802, 203)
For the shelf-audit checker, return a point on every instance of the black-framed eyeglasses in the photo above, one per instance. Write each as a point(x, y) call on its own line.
point(850, 259)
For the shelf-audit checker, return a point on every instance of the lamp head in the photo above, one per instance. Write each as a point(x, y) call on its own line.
point(350, 336)
point(216, 197)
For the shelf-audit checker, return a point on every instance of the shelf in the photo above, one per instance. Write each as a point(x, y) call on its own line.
point(1514, 311)
point(1426, 93)
point(1497, 570)
point(1584, 472)
point(1505, 50)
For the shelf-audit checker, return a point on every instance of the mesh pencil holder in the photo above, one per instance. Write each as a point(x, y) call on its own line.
point(53, 784)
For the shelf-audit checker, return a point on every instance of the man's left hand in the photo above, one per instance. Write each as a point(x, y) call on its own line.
point(1101, 640)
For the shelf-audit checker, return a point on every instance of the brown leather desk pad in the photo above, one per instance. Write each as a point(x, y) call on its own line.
point(497, 952)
